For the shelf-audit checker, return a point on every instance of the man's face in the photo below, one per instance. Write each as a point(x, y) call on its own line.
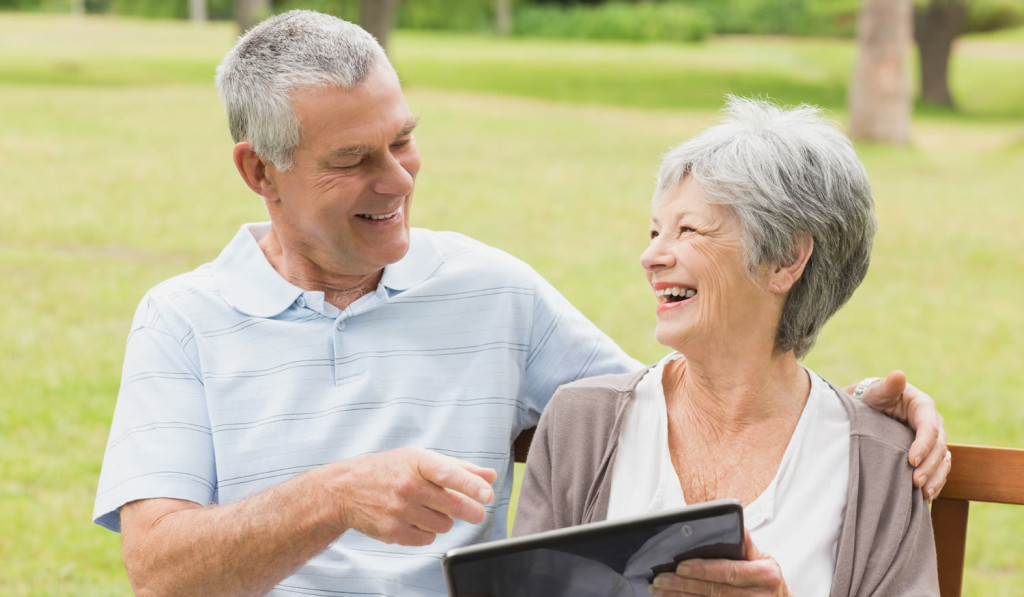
point(344, 205)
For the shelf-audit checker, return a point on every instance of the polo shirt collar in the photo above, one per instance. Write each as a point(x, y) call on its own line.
point(246, 279)
point(422, 260)
point(250, 284)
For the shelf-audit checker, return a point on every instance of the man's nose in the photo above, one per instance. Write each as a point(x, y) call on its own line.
point(394, 179)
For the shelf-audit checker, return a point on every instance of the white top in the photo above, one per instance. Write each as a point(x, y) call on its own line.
point(798, 517)
point(236, 380)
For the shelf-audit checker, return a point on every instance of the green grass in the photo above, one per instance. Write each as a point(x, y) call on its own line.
point(116, 171)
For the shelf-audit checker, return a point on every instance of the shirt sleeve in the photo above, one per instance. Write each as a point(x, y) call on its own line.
point(565, 346)
point(160, 443)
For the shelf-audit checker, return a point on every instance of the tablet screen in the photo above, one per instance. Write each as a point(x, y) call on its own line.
point(608, 559)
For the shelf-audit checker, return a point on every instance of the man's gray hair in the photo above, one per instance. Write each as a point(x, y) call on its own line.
point(787, 174)
point(295, 50)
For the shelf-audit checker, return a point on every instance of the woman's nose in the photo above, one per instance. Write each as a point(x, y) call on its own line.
point(655, 257)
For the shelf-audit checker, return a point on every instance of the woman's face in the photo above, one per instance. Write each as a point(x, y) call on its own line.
point(695, 266)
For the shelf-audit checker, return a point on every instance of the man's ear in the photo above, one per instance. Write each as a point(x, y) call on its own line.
point(785, 275)
point(254, 171)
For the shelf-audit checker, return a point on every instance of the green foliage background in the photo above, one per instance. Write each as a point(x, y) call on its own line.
point(650, 20)
point(115, 162)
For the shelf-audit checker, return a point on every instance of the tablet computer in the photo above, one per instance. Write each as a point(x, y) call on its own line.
point(607, 559)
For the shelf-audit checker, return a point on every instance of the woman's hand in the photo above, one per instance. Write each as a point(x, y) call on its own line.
point(758, 575)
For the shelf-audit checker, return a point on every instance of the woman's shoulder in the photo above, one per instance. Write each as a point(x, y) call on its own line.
point(598, 390)
point(612, 383)
point(593, 403)
point(869, 424)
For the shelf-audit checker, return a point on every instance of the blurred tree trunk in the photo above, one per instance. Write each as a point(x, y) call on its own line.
point(250, 12)
point(197, 11)
point(880, 99)
point(936, 26)
point(77, 7)
point(378, 17)
point(503, 17)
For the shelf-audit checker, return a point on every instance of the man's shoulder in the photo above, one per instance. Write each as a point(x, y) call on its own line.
point(176, 288)
point(187, 294)
point(464, 251)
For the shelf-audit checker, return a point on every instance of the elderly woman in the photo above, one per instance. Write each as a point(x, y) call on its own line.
point(761, 229)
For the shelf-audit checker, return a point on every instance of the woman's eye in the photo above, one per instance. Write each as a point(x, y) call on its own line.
point(686, 229)
point(654, 234)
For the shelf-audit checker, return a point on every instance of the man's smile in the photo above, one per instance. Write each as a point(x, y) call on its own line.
point(376, 217)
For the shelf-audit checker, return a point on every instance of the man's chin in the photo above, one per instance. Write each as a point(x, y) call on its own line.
point(394, 253)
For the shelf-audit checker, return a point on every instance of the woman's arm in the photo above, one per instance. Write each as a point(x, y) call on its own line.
point(913, 571)
point(535, 511)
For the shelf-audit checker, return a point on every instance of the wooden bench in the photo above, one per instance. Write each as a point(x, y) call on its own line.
point(979, 474)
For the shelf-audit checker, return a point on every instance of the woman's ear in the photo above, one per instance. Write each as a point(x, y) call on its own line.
point(255, 171)
point(785, 275)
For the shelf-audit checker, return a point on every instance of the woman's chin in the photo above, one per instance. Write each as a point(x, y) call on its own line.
point(673, 338)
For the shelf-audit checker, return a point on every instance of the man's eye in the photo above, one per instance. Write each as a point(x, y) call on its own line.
point(401, 144)
point(686, 229)
point(654, 234)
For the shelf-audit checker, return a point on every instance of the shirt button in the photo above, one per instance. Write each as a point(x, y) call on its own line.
point(340, 325)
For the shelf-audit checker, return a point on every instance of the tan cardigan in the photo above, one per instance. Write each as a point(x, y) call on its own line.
point(886, 546)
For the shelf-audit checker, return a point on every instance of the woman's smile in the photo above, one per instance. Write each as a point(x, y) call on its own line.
point(671, 295)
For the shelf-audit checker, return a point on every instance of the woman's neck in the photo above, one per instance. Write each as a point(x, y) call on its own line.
point(738, 390)
point(730, 422)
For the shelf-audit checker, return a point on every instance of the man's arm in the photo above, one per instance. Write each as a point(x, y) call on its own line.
point(406, 496)
point(902, 401)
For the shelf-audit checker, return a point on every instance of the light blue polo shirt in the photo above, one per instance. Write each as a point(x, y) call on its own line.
point(235, 380)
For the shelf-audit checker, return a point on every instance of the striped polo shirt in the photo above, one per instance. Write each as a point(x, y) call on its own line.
point(236, 380)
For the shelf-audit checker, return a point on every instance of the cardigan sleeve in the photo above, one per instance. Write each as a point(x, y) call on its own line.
point(887, 548)
point(897, 555)
point(566, 482)
point(914, 569)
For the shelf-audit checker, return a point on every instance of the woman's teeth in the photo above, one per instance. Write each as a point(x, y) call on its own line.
point(676, 293)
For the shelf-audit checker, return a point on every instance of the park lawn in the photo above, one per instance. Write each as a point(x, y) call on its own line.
point(116, 170)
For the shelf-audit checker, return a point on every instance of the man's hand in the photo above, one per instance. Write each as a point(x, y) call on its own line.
point(758, 576)
point(409, 495)
point(928, 454)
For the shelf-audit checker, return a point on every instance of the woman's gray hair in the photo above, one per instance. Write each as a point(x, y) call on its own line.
point(787, 174)
point(294, 50)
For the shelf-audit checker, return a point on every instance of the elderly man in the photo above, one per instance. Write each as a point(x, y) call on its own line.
point(335, 382)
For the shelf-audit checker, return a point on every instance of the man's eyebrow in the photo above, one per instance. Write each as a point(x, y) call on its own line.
point(410, 126)
point(350, 151)
point(358, 150)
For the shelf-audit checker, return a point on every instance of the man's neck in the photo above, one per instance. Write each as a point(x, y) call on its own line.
point(340, 290)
